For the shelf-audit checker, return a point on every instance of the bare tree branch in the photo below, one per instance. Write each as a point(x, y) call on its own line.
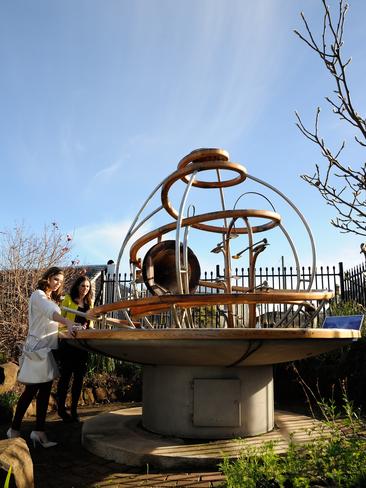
point(342, 185)
point(23, 258)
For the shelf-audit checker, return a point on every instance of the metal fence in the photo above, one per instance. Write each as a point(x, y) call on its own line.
point(326, 278)
point(353, 284)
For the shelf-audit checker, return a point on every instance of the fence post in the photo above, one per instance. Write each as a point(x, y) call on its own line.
point(217, 270)
point(341, 280)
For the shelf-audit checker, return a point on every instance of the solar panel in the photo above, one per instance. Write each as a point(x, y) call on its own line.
point(343, 322)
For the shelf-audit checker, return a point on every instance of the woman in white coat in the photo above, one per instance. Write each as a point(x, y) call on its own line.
point(40, 368)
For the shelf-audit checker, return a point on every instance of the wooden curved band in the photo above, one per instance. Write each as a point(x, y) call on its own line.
point(195, 221)
point(203, 154)
point(205, 166)
point(158, 304)
point(209, 228)
point(213, 165)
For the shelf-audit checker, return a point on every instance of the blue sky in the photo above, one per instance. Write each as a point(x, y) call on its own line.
point(101, 99)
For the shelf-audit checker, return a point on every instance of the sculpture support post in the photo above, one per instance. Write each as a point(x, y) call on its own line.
point(208, 402)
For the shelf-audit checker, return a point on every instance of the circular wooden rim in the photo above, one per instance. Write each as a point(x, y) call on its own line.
point(157, 304)
point(214, 334)
point(210, 228)
point(195, 221)
point(209, 166)
point(203, 154)
point(180, 174)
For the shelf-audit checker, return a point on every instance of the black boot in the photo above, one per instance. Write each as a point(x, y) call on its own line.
point(62, 387)
point(74, 415)
point(66, 417)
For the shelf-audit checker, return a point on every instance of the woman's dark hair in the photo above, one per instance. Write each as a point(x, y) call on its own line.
point(43, 282)
point(74, 290)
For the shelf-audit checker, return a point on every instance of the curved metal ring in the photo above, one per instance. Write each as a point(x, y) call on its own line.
point(195, 221)
point(181, 174)
point(203, 154)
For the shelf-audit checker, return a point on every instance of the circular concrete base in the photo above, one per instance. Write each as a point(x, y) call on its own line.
point(118, 436)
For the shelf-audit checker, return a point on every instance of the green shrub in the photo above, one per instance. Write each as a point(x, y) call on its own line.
point(8, 400)
point(349, 307)
point(124, 378)
point(97, 363)
point(333, 460)
point(256, 466)
point(336, 458)
point(325, 370)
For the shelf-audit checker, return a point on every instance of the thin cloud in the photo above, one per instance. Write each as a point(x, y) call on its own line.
point(243, 84)
point(107, 172)
point(102, 177)
point(97, 243)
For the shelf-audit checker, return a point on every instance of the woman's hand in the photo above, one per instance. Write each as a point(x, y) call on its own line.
point(72, 328)
point(71, 332)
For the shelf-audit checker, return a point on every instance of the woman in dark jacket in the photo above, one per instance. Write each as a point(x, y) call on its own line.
point(73, 361)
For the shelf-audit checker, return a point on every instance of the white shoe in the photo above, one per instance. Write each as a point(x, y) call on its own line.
point(38, 436)
point(12, 433)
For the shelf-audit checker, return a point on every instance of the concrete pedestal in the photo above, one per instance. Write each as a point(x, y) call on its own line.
point(208, 402)
point(119, 437)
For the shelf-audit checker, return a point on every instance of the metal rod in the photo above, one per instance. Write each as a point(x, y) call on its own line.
point(128, 235)
point(177, 234)
point(103, 318)
point(302, 218)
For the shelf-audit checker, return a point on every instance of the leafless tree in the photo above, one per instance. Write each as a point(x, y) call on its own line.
point(340, 184)
point(24, 255)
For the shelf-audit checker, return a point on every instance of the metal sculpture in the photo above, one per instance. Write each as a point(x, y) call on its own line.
point(203, 381)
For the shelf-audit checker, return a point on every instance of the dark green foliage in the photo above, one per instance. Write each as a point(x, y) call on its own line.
point(321, 373)
point(97, 363)
point(132, 380)
point(8, 401)
point(348, 307)
point(256, 466)
point(121, 377)
point(337, 458)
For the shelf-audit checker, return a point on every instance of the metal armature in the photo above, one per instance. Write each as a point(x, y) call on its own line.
point(170, 269)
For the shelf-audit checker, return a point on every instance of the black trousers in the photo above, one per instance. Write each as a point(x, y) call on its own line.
point(40, 390)
point(72, 364)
